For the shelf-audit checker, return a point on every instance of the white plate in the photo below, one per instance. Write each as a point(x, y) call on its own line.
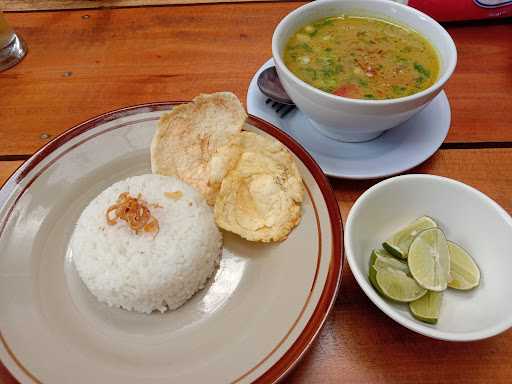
point(396, 151)
point(254, 321)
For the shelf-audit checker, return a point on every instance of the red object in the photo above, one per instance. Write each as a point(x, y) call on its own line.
point(454, 10)
point(349, 90)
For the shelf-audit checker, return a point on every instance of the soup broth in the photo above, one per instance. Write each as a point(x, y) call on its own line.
point(362, 58)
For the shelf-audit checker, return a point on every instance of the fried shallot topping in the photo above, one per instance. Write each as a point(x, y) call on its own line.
point(136, 213)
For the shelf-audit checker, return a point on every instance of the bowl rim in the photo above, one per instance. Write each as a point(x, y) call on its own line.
point(437, 86)
point(383, 304)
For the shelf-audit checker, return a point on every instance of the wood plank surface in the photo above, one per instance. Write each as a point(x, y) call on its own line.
point(7, 168)
point(44, 5)
point(83, 63)
point(479, 89)
point(360, 344)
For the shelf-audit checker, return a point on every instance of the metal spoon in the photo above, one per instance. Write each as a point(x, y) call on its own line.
point(270, 85)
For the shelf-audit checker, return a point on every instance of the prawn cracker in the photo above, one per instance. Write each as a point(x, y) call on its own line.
point(189, 134)
point(260, 190)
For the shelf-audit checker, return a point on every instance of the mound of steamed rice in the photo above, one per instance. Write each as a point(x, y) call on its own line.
point(143, 272)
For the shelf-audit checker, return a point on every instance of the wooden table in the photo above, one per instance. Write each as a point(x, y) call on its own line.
point(82, 63)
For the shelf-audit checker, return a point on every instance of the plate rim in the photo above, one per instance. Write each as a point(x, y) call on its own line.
point(326, 301)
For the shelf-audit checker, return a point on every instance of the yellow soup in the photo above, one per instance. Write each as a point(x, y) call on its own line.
point(362, 58)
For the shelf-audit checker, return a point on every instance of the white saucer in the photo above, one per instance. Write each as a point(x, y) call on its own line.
point(396, 151)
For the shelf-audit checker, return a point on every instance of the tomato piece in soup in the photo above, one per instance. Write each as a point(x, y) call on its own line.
point(349, 90)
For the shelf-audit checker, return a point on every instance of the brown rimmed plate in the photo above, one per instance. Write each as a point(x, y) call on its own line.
point(252, 323)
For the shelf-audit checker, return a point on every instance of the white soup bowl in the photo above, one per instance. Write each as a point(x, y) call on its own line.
point(355, 120)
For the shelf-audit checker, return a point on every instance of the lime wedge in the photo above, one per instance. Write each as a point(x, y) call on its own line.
point(381, 259)
point(399, 243)
point(396, 285)
point(429, 260)
point(428, 307)
point(463, 270)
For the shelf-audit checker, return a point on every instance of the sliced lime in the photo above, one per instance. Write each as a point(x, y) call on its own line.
point(428, 307)
point(463, 269)
point(396, 285)
point(381, 259)
point(429, 260)
point(399, 243)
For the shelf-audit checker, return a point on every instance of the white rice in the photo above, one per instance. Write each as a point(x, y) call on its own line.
point(141, 272)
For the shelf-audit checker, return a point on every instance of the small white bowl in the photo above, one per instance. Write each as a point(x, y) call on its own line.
point(356, 120)
point(467, 217)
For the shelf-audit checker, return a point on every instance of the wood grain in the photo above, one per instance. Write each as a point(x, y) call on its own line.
point(7, 168)
point(479, 89)
point(360, 344)
point(44, 5)
point(83, 63)
point(123, 57)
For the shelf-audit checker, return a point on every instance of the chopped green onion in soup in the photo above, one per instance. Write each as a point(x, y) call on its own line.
point(362, 57)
